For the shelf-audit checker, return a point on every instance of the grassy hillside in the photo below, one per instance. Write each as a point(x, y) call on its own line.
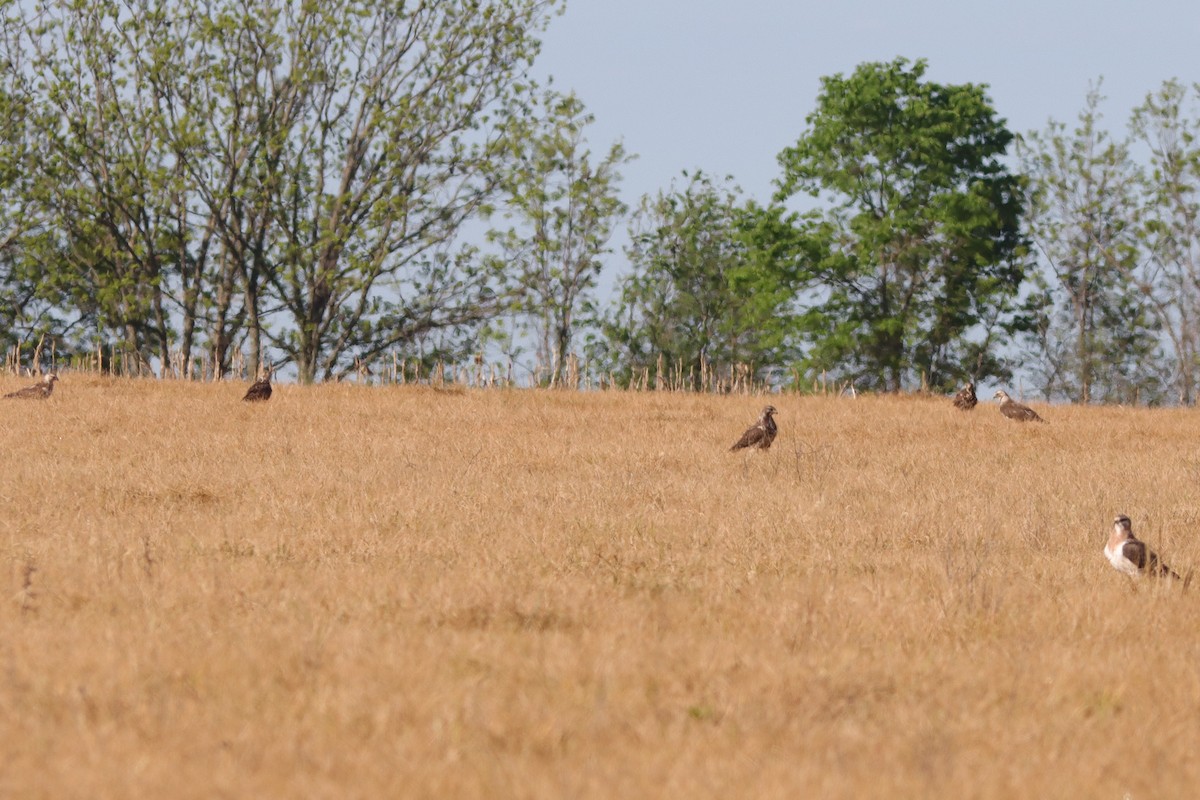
point(401, 592)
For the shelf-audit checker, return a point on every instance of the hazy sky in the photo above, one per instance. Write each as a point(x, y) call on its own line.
point(724, 85)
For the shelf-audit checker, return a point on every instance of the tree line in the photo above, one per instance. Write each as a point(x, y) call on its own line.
point(341, 185)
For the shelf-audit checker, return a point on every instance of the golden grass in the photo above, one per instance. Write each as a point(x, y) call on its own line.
point(400, 592)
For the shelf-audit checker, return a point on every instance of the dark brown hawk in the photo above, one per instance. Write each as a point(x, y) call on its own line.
point(39, 391)
point(966, 399)
point(759, 435)
point(1016, 411)
point(260, 390)
point(1130, 555)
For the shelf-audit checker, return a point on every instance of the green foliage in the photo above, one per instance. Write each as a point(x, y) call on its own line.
point(1168, 217)
point(293, 173)
point(705, 291)
point(564, 208)
point(914, 267)
point(1096, 338)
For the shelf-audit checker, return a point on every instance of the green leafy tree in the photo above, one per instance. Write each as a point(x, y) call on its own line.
point(16, 160)
point(101, 193)
point(283, 174)
point(919, 254)
point(395, 143)
point(1169, 227)
point(1096, 338)
point(30, 307)
point(14, 155)
point(565, 207)
point(226, 118)
point(702, 295)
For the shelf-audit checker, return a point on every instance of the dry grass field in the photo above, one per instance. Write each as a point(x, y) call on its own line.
point(355, 592)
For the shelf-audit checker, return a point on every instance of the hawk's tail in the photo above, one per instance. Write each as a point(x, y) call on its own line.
point(1167, 572)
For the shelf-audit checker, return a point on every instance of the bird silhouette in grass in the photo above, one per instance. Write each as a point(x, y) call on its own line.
point(260, 390)
point(39, 391)
point(759, 435)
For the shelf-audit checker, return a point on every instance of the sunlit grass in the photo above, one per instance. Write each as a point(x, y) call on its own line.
point(403, 592)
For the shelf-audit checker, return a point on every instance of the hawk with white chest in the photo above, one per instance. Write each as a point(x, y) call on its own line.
point(1016, 411)
point(1130, 555)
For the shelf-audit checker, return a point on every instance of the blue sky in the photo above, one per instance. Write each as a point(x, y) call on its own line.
point(724, 85)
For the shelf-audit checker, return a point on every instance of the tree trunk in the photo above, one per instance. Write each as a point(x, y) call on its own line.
point(254, 325)
point(132, 346)
point(162, 332)
point(1084, 353)
point(219, 337)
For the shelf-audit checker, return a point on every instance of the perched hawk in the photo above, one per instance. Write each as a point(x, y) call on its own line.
point(39, 391)
point(1129, 554)
point(1014, 410)
point(966, 399)
point(261, 389)
point(759, 435)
